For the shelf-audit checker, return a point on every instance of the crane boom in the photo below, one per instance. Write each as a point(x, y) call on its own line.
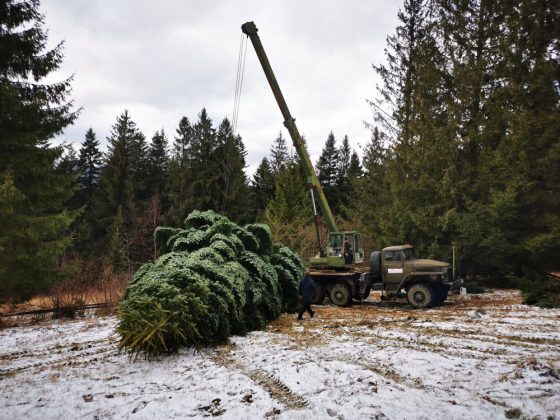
point(250, 29)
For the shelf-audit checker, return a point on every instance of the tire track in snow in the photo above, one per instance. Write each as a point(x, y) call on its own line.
point(71, 355)
point(272, 385)
point(57, 349)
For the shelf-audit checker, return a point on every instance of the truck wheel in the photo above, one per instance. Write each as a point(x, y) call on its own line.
point(319, 295)
point(366, 293)
point(340, 295)
point(365, 296)
point(420, 296)
point(440, 294)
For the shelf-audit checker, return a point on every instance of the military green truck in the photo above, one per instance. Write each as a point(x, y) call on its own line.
point(396, 271)
point(339, 270)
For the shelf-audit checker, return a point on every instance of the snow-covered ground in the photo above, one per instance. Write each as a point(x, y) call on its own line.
point(476, 357)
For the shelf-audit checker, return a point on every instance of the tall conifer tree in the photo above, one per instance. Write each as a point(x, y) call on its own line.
point(34, 226)
point(203, 176)
point(328, 167)
point(121, 179)
point(263, 185)
point(90, 161)
point(178, 174)
point(372, 191)
point(279, 154)
point(158, 164)
point(232, 183)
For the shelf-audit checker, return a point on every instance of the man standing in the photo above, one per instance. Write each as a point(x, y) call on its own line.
point(348, 254)
point(306, 293)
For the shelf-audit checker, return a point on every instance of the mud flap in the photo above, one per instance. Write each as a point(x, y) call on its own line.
point(362, 285)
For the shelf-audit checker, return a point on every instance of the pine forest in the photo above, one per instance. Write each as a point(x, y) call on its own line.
point(463, 150)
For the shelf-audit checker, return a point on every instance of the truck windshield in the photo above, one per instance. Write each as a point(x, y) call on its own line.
point(407, 254)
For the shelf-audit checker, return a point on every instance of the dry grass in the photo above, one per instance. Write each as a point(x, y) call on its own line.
point(376, 313)
point(91, 284)
point(4, 323)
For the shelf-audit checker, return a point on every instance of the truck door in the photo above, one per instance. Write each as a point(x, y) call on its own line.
point(393, 269)
point(359, 253)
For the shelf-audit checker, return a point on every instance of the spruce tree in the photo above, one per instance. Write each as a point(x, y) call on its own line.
point(279, 154)
point(182, 142)
point(328, 171)
point(291, 198)
point(232, 183)
point(121, 178)
point(535, 91)
point(178, 174)
point(158, 163)
point(151, 212)
point(416, 90)
point(263, 185)
point(355, 170)
point(289, 213)
point(139, 167)
point(89, 163)
point(399, 74)
point(34, 226)
point(118, 244)
point(347, 189)
point(69, 161)
point(372, 191)
point(512, 140)
point(344, 156)
point(68, 165)
point(343, 188)
point(203, 176)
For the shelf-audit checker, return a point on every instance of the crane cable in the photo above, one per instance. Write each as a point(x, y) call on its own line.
point(235, 115)
point(239, 80)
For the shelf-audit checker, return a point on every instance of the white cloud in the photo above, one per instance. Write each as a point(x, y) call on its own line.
point(163, 60)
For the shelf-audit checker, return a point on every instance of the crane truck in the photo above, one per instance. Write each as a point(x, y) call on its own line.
point(339, 270)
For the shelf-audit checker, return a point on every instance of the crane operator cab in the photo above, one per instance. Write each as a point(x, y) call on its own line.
point(343, 249)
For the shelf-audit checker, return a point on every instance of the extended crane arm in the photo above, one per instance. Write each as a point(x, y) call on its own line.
point(250, 29)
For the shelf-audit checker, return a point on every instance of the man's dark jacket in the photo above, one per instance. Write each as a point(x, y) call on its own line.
point(307, 288)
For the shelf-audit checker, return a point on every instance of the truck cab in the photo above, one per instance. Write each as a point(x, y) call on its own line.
point(396, 270)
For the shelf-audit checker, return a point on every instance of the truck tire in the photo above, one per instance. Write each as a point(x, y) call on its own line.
point(440, 294)
point(375, 264)
point(359, 297)
point(340, 295)
point(319, 295)
point(366, 293)
point(420, 296)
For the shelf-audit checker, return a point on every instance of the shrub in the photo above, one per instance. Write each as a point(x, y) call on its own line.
point(538, 290)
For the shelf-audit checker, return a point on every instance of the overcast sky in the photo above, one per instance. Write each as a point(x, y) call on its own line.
point(162, 60)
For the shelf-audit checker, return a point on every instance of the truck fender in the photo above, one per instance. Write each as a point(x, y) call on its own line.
point(409, 277)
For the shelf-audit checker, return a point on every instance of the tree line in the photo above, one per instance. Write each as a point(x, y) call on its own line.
point(465, 146)
point(123, 194)
point(88, 210)
point(464, 150)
